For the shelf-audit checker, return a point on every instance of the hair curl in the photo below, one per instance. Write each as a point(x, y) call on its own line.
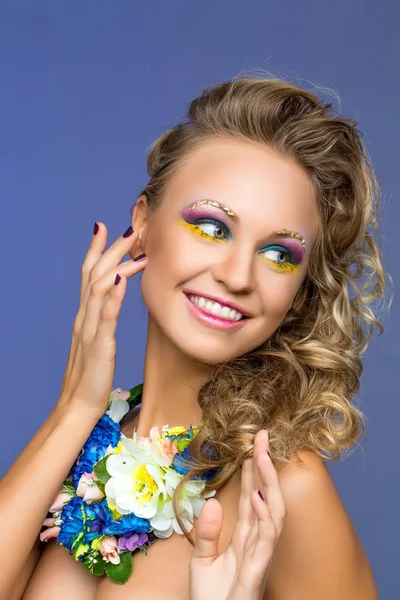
point(299, 384)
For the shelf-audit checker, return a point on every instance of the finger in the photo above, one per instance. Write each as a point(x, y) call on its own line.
point(89, 273)
point(98, 293)
point(95, 385)
point(271, 489)
point(264, 545)
point(94, 307)
point(97, 247)
point(208, 530)
point(107, 260)
point(245, 511)
point(261, 444)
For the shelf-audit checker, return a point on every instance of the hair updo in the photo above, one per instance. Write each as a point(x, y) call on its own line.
point(301, 382)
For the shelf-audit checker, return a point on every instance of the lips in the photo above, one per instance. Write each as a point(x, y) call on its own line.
point(221, 301)
point(211, 320)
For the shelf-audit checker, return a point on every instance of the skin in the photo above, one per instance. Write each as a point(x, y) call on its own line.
point(317, 553)
point(267, 192)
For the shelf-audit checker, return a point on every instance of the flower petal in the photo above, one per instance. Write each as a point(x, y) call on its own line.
point(118, 409)
point(164, 534)
point(120, 464)
point(159, 521)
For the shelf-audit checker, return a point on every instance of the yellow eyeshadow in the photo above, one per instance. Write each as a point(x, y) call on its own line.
point(288, 267)
point(282, 267)
point(197, 231)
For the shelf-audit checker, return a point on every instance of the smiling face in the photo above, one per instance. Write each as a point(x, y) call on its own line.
point(237, 223)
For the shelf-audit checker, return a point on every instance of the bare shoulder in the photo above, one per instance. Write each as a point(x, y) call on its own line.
point(319, 554)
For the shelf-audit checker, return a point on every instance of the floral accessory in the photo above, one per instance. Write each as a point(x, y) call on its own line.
point(117, 497)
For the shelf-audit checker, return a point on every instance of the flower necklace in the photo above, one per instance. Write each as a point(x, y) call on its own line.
point(117, 497)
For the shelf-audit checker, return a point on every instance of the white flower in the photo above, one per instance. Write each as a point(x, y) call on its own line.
point(164, 523)
point(137, 478)
point(118, 406)
point(143, 482)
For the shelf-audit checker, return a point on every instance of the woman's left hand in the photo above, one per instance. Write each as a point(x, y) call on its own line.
point(240, 573)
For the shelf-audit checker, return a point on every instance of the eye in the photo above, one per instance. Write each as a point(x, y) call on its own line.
point(282, 257)
point(213, 229)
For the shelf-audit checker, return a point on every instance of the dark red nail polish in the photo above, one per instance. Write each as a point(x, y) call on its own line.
point(140, 257)
point(128, 232)
point(95, 228)
point(260, 494)
point(117, 279)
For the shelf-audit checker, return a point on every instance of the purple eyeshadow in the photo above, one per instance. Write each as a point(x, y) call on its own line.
point(295, 248)
point(205, 211)
point(202, 212)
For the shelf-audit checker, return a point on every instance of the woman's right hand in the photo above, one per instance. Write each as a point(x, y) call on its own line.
point(89, 373)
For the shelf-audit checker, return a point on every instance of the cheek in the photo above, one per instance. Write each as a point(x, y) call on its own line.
point(277, 295)
point(172, 260)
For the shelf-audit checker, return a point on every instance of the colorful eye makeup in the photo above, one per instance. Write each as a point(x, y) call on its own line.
point(200, 218)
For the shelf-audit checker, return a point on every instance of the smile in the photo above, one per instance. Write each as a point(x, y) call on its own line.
point(215, 308)
point(213, 314)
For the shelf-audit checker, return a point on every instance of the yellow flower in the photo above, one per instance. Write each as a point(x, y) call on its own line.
point(118, 449)
point(95, 545)
point(144, 485)
point(175, 430)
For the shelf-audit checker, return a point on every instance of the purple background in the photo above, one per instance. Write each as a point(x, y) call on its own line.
point(85, 87)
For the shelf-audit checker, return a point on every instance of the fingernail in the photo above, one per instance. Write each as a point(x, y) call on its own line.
point(95, 228)
point(140, 257)
point(117, 279)
point(260, 494)
point(128, 232)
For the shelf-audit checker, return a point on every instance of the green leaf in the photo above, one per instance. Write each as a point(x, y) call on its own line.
point(68, 486)
point(101, 486)
point(100, 470)
point(94, 564)
point(120, 573)
point(135, 391)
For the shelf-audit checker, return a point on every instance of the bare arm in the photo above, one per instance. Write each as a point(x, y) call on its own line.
point(31, 484)
point(26, 573)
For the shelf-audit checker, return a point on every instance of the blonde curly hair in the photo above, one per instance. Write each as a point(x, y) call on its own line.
point(300, 383)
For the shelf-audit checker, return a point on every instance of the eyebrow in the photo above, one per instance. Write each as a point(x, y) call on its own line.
point(283, 232)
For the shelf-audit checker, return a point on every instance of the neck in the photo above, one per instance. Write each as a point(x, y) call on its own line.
point(172, 381)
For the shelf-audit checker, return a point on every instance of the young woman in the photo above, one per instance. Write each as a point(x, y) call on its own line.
point(255, 242)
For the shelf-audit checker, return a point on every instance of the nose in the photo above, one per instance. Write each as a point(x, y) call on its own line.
point(235, 269)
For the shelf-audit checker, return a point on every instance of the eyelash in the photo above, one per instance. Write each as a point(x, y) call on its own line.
point(288, 266)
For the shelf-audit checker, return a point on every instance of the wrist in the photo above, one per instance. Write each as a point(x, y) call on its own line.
point(79, 407)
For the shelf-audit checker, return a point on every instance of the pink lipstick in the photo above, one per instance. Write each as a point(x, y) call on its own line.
point(212, 320)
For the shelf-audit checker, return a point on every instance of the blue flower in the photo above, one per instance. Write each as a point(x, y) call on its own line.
point(105, 432)
point(104, 524)
point(179, 464)
point(128, 524)
point(74, 523)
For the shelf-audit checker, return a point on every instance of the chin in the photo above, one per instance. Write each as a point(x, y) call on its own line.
point(208, 353)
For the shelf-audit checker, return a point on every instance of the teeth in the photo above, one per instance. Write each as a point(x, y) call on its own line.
point(215, 308)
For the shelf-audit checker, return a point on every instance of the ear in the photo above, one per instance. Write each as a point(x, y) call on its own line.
point(139, 223)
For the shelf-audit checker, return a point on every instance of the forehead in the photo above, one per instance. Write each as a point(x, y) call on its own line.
point(263, 188)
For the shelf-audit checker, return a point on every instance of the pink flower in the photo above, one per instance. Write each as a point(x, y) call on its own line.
point(109, 550)
point(88, 489)
point(52, 532)
point(59, 501)
point(168, 449)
